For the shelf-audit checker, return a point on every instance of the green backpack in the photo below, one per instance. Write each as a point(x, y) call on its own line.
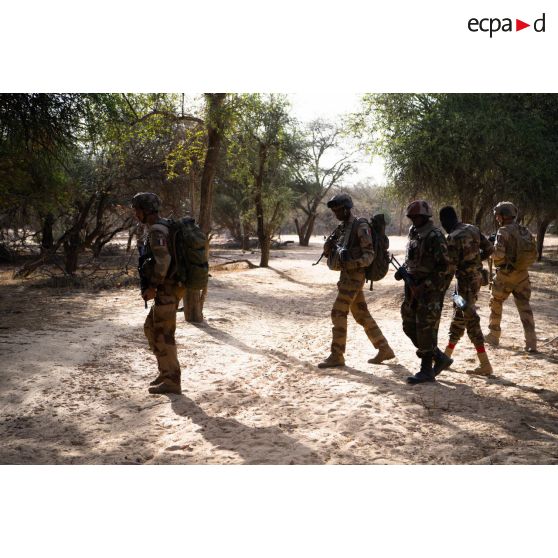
point(378, 269)
point(526, 249)
point(187, 245)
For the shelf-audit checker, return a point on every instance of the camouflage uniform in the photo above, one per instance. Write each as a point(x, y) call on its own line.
point(509, 280)
point(350, 295)
point(427, 263)
point(160, 324)
point(466, 247)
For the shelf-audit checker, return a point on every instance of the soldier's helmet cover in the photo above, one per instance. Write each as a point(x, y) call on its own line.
point(505, 209)
point(339, 200)
point(147, 201)
point(419, 207)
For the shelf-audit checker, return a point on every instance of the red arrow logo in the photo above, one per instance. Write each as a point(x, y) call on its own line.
point(519, 25)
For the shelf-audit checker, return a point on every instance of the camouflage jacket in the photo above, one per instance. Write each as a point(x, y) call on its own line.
point(467, 247)
point(505, 246)
point(158, 250)
point(427, 256)
point(359, 244)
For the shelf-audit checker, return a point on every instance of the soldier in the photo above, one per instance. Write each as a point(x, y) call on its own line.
point(511, 277)
point(467, 247)
point(427, 264)
point(353, 241)
point(160, 324)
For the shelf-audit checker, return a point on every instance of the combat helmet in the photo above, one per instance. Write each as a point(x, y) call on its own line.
point(340, 200)
point(419, 207)
point(147, 201)
point(505, 209)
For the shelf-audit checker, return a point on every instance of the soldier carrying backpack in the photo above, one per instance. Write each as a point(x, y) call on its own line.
point(514, 251)
point(350, 250)
point(171, 260)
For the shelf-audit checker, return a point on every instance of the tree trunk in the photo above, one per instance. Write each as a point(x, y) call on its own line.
point(193, 302)
point(192, 190)
point(467, 212)
point(47, 237)
point(265, 248)
point(305, 230)
point(541, 232)
point(309, 229)
point(299, 231)
point(263, 238)
point(215, 129)
point(193, 308)
point(72, 247)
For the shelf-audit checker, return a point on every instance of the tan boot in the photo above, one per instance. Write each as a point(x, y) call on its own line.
point(332, 361)
point(491, 339)
point(167, 386)
point(385, 352)
point(448, 351)
point(531, 343)
point(157, 380)
point(485, 369)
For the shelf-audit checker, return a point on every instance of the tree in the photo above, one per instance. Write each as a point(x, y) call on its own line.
point(216, 121)
point(259, 150)
point(314, 179)
point(470, 149)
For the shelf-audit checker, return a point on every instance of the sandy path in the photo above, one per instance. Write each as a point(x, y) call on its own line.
point(75, 372)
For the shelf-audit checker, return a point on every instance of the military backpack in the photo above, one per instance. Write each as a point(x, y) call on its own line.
point(378, 269)
point(187, 246)
point(526, 253)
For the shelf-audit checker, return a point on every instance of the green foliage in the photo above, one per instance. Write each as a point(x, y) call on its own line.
point(468, 149)
point(260, 145)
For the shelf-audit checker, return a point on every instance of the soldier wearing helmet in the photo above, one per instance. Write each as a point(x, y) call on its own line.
point(349, 250)
point(160, 324)
point(512, 276)
point(467, 247)
point(427, 263)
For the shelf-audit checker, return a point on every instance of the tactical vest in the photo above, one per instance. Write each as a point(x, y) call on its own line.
point(419, 261)
point(347, 238)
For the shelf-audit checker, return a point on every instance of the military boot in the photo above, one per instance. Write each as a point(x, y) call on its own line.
point(385, 352)
point(485, 368)
point(157, 380)
point(333, 360)
point(441, 361)
point(531, 343)
point(491, 339)
point(170, 384)
point(166, 387)
point(425, 373)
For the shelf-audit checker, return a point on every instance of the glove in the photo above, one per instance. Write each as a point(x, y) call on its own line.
point(398, 275)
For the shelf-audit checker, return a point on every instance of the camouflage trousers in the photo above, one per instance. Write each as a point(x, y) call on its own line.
point(467, 319)
point(159, 328)
point(350, 297)
point(421, 319)
point(518, 284)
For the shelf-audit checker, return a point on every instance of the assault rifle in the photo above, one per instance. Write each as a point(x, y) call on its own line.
point(409, 281)
point(331, 237)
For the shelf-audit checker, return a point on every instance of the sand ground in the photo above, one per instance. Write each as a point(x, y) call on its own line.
point(75, 370)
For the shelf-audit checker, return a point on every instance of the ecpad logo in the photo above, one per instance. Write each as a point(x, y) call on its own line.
point(492, 25)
